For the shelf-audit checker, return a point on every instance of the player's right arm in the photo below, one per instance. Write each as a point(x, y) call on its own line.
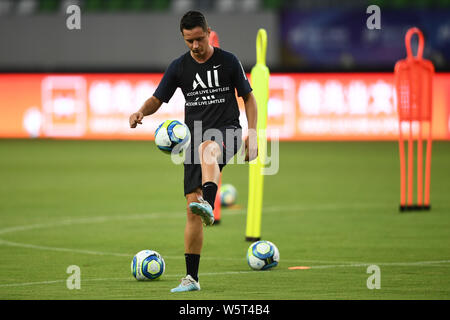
point(149, 107)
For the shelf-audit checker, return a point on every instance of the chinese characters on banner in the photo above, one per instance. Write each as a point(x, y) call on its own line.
point(324, 106)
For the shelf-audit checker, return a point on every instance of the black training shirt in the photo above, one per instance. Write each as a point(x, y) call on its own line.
point(208, 88)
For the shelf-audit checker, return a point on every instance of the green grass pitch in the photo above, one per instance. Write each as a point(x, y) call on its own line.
point(333, 207)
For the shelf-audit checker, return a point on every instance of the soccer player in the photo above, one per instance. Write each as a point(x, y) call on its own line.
point(208, 77)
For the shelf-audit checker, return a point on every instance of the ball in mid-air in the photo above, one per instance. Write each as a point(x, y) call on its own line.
point(147, 265)
point(172, 136)
point(263, 255)
point(228, 195)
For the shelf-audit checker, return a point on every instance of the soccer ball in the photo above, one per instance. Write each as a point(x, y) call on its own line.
point(228, 195)
point(172, 135)
point(147, 265)
point(262, 255)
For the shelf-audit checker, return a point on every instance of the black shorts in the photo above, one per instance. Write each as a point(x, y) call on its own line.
point(229, 138)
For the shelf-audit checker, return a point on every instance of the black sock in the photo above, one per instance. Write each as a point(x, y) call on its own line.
point(192, 262)
point(209, 190)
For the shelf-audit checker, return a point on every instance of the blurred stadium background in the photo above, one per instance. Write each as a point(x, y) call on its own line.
point(319, 53)
point(331, 204)
point(304, 36)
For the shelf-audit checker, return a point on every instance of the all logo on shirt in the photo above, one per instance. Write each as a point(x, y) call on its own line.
point(207, 90)
point(212, 80)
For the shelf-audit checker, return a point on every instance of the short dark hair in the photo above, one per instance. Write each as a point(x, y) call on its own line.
point(192, 19)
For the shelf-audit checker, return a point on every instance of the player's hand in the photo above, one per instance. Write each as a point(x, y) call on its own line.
point(251, 146)
point(136, 118)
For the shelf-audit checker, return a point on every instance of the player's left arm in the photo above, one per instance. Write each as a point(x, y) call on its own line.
point(251, 142)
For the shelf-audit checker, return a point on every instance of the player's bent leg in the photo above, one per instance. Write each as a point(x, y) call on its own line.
point(209, 152)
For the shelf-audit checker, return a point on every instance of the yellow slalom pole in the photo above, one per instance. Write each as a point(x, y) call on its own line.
point(260, 82)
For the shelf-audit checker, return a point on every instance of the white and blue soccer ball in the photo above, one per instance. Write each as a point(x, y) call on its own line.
point(228, 195)
point(262, 255)
point(147, 265)
point(172, 135)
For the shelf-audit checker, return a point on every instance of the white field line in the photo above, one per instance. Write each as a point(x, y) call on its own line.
point(315, 207)
point(179, 214)
point(88, 220)
point(37, 247)
point(129, 255)
point(171, 215)
point(115, 279)
point(102, 219)
point(402, 264)
point(394, 264)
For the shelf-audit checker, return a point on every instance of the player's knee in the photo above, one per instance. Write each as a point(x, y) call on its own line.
point(209, 151)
